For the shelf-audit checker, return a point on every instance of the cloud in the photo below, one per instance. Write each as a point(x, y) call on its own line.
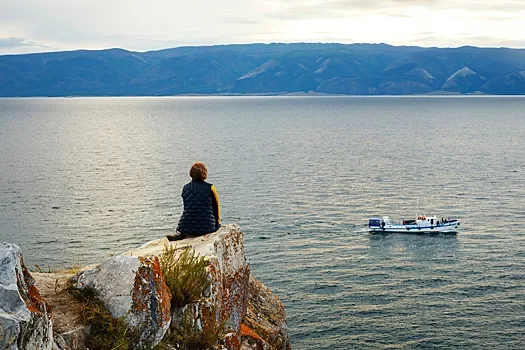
point(488, 41)
point(435, 40)
point(14, 42)
point(240, 21)
point(37, 25)
point(299, 10)
point(6, 43)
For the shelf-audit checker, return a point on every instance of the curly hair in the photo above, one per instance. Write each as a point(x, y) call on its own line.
point(199, 171)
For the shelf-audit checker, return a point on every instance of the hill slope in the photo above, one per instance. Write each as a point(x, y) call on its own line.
point(358, 69)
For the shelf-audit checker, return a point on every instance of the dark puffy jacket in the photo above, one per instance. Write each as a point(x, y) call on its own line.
point(201, 209)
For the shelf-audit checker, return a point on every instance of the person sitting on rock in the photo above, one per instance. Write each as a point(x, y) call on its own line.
point(202, 210)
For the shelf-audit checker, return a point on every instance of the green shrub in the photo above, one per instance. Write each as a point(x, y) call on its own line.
point(185, 275)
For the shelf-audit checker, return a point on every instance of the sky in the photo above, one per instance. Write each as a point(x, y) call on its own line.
point(57, 25)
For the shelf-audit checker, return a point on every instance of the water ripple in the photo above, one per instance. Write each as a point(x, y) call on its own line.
point(82, 179)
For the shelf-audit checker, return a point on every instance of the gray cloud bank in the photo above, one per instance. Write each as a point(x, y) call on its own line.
point(36, 25)
point(21, 45)
point(298, 10)
point(16, 42)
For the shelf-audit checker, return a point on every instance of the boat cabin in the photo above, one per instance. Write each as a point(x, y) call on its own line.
point(374, 222)
point(423, 220)
point(377, 222)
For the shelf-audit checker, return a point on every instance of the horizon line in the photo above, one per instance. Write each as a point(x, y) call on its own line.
point(260, 43)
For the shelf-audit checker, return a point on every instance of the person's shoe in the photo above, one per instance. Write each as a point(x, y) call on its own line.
point(176, 237)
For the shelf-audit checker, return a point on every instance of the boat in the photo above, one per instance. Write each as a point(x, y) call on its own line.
point(422, 224)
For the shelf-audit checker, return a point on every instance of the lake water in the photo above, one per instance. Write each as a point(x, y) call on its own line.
point(83, 178)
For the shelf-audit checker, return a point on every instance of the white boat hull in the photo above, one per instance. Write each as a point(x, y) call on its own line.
point(448, 227)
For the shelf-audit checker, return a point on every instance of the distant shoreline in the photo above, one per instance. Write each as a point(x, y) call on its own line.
point(262, 95)
point(300, 69)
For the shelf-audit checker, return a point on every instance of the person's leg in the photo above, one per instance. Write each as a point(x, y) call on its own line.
point(176, 237)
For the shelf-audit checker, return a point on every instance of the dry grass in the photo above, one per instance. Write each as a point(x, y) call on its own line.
point(71, 269)
point(106, 331)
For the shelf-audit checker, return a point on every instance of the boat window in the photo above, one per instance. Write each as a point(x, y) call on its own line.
point(374, 222)
point(431, 221)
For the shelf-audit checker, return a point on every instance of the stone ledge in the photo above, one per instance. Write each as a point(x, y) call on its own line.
point(252, 316)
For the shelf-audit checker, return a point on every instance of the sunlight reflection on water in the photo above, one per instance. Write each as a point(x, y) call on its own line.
point(83, 178)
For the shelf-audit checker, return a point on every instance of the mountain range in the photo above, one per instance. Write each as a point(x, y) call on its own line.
point(354, 69)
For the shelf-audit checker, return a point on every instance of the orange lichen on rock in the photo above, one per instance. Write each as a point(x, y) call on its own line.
point(25, 320)
point(150, 293)
point(246, 331)
point(141, 290)
point(230, 293)
point(30, 294)
point(163, 292)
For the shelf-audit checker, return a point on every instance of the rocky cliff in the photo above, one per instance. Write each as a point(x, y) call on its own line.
point(43, 311)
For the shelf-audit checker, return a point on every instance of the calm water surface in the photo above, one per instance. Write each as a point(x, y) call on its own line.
point(84, 178)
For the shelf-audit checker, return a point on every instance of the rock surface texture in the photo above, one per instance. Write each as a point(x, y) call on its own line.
point(228, 272)
point(132, 287)
point(265, 317)
point(25, 320)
